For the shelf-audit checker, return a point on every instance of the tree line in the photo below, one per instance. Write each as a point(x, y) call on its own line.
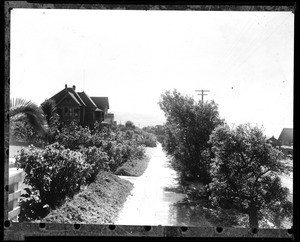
point(236, 164)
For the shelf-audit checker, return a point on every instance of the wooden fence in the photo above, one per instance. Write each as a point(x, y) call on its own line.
point(14, 209)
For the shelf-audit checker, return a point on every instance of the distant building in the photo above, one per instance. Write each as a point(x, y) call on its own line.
point(78, 106)
point(102, 104)
point(286, 136)
point(286, 141)
point(273, 141)
point(109, 118)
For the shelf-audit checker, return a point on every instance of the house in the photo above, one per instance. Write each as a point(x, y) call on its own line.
point(78, 106)
point(273, 141)
point(286, 136)
point(286, 141)
point(102, 104)
point(109, 119)
point(287, 150)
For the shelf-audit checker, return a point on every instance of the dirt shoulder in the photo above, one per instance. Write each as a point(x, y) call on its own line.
point(136, 167)
point(98, 204)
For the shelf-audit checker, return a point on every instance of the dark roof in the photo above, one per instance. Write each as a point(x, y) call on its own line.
point(286, 135)
point(273, 141)
point(87, 100)
point(72, 96)
point(82, 99)
point(101, 102)
point(60, 95)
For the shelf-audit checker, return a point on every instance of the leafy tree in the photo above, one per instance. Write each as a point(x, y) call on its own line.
point(158, 131)
point(245, 174)
point(129, 125)
point(188, 127)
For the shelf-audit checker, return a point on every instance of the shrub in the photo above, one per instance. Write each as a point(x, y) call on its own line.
point(118, 153)
point(158, 131)
point(31, 206)
point(97, 159)
point(55, 172)
point(21, 131)
point(73, 136)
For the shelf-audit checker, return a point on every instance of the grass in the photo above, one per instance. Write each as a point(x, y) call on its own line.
point(98, 204)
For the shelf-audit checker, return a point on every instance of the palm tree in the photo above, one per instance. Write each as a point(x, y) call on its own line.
point(23, 110)
point(49, 109)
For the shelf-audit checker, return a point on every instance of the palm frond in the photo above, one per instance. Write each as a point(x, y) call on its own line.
point(49, 109)
point(21, 108)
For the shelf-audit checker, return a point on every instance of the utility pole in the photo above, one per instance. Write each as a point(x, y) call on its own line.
point(202, 93)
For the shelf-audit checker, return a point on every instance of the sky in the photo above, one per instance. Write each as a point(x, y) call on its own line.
point(244, 58)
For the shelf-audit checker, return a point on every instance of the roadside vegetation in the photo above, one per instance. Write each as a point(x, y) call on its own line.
point(98, 204)
point(133, 167)
point(67, 160)
point(235, 170)
point(158, 131)
point(231, 175)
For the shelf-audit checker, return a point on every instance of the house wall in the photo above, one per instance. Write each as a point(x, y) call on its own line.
point(69, 110)
point(82, 115)
point(98, 116)
point(89, 115)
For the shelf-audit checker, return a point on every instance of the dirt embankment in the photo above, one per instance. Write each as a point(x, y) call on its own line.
point(98, 204)
point(136, 167)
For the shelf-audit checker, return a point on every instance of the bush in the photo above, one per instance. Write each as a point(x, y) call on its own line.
point(73, 136)
point(97, 159)
point(31, 206)
point(118, 153)
point(55, 172)
point(158, 131)
point(21, 131)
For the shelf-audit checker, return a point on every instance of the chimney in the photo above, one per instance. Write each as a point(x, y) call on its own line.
point(74, 87)
point(66, 86)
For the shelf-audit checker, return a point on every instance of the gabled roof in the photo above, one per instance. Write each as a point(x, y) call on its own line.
point(87, 100)
point(71, 95)
point(101, 102)
point(60, 95)
point(286, 135)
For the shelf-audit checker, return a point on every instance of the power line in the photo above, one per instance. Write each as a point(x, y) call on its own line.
point(202, 93)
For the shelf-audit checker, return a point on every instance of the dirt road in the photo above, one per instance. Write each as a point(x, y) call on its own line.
point(150, 202)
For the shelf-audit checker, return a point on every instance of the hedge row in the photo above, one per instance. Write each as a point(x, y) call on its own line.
point(54, 174)
point(62, 168)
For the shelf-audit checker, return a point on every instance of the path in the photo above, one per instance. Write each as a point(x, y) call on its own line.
point(287, 180)
point(153, 195)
